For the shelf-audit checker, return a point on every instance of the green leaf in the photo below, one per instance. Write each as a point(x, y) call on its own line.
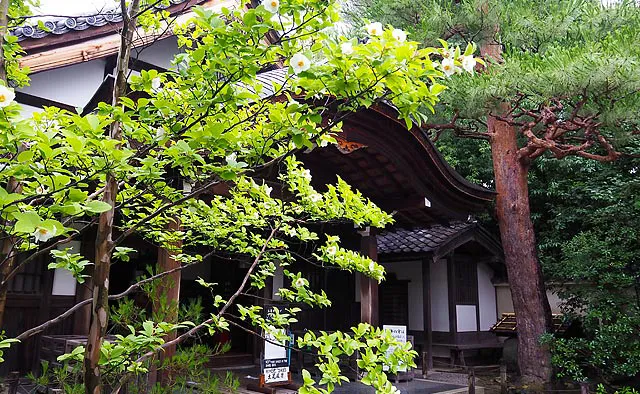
point(97, 206)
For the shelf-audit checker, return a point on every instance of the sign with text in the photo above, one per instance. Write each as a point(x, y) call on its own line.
point(400, 335)
point(275, 365)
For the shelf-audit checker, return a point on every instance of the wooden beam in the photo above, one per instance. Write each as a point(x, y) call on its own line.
point(426, 312)
point(369, 287)
point(98, 48)
point(41, 102)
point(139, 65)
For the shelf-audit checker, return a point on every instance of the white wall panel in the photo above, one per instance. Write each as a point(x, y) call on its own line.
point(439, 296)
point(466, 318)
point(486, 297)
point(161, 53)
point(73, 85)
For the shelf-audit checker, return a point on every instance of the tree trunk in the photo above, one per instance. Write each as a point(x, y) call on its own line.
point(533, 314)
point(530, 303)
point(7, 250)
point(104, 243)
point(169, 294)
point(4, 21)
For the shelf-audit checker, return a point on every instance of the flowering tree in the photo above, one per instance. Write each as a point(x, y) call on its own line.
point(144, 167)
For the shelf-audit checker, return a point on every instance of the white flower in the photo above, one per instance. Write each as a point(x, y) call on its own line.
point(399, 35)
point(315, 197)
point(43, 235)
point(299, 63)
point(306, 174)
point(268, 189)
point(42, 189)
point(346, 48)
point(271, 5)
point(299, 282)
point(331, 250)
point(468, 63)
point(155, 84)
point(6, 96)
point(160, 133)
point(448, 67)
point(232, 159)
point(374, 29)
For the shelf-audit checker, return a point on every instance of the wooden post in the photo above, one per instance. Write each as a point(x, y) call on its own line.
point(472, 381)
point(426, 313)
point(453, 315)
point(368, 286)
point(12, 382)
point(503, 379)
point(584, 388)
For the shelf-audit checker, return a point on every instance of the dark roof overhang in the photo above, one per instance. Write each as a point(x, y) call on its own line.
point(398, 169)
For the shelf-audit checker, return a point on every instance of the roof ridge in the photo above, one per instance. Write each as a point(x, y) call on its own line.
point(78, 23)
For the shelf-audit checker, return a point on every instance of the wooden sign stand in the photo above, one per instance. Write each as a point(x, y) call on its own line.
point(270, 388)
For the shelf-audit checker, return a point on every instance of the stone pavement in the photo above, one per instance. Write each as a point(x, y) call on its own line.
point(416, 386)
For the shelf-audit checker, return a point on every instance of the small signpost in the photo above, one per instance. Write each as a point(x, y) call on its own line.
point(276, 360)
point(399, 333)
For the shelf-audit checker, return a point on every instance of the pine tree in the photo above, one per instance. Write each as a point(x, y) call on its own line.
point(562, 80)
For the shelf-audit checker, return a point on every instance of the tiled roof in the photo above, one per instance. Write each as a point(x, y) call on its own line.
point(77, 23)
point(419, 240)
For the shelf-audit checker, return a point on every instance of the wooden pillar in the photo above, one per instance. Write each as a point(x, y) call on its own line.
point(452, 286)
point(169, 289)
point(368, 286)
point(426, 313)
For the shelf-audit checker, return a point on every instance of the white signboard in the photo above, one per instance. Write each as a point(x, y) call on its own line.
point(400, 335)
point(276, 358)
point(273, 375)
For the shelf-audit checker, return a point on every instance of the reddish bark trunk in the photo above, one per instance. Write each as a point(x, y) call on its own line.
point(169, 290)
point(530, 303)
point(533, 314)
point(4, 10)
point(104, 242)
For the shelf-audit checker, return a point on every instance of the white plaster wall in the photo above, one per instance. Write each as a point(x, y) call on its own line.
point(160, 53)
point(439, 296)
point(412, 271)
point(466, 318)
point(486, 297)
point(73, 85)
point(505, 302)
point(64, 284)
